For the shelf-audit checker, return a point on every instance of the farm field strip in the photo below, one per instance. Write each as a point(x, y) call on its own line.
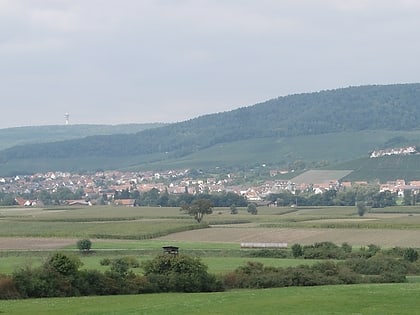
point(356, 237)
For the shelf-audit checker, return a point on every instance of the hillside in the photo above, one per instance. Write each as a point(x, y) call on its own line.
point(383, 168)
point(335, 125)
point(10, 137)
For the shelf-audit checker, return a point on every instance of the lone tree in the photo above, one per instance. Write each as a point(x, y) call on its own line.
point(252, 208)
point(198, 208)
point(233, 209)
point(84, 245)
point(361, 208)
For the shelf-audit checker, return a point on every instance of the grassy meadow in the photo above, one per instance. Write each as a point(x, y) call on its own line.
point(28, 236)
point(369, 299)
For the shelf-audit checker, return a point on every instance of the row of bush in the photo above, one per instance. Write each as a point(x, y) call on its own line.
point(60, 274)
point(372, 270)
point(329, 250)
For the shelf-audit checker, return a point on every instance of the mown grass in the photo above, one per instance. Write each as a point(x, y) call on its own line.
point(369, 299)
point(217, 262)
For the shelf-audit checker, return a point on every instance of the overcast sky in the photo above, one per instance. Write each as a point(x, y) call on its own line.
point(137, 61)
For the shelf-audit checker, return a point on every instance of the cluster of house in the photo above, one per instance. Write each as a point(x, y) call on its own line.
point(400, 186)
point(172, 182)
point(107, 184)
point(394, 151)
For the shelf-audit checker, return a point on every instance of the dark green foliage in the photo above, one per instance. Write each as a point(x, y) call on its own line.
point(59, 275)
point(7, 199)
point(361, 208)
point(8, 288)
point(63, 264)
point(198, 208)
point(381, 266)
point(268, 253)
point(362, 197)
point(255, 275)
point(346, 247)
point(156, 198)
point(323, 250)
point(84, 245)
point(179, 273)
point(233, 209)
point(252, 208)
point(370, 265)
point(410, 254)
point(297, 250)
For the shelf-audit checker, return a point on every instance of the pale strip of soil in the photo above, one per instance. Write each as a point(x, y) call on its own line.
point(388, 238)
point(34, 243)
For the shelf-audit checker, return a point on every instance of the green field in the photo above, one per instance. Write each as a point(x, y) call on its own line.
point(389, 299)
point(141, 232)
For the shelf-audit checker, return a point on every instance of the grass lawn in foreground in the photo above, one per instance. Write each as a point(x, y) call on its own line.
point(350, 299)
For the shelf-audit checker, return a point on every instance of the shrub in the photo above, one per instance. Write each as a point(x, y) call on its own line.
point(252, 208)
point(63, 264)
point(132, 261)
point(323, 250)
point(84, 245)
point(180, 273)
point(269, 253)
point(91, 282)
point(346, 248)
point(410, 254)
point(8, 288)
point(297, 250)
point(361, 208)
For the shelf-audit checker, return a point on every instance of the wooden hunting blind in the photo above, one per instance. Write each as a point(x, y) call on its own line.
point(172, 250)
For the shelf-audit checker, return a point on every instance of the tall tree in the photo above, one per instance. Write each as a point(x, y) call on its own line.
point(198, 208)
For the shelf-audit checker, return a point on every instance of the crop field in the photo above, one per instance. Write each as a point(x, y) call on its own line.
point(43, 229)
point(29, 236)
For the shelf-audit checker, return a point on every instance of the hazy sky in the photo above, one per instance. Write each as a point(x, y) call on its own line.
point(123, 61)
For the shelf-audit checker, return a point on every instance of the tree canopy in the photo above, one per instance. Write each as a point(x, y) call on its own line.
point(198, 208)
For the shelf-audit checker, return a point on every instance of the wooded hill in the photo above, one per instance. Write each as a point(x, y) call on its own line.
point(334, 126)
point(10, 137)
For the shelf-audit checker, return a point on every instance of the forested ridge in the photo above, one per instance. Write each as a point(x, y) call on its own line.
point(376, 107)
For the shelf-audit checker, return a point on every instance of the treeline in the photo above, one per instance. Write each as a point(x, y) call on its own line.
point(154, 197)
point(368, 195)
point(60, 275)
point(391, 107)
point(368, 265)
point(150, 198)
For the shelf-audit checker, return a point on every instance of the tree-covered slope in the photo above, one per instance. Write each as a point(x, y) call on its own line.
point(354, 109)
point(10, 137)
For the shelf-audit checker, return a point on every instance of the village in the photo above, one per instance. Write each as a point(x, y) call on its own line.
point(110, 183)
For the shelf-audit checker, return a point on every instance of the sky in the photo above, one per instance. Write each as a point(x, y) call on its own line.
point(141, 61)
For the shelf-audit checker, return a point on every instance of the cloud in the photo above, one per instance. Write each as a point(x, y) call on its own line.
point(169, 60)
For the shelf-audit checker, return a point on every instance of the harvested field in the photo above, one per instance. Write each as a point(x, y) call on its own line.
point(389, 238)
point(34, 243)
